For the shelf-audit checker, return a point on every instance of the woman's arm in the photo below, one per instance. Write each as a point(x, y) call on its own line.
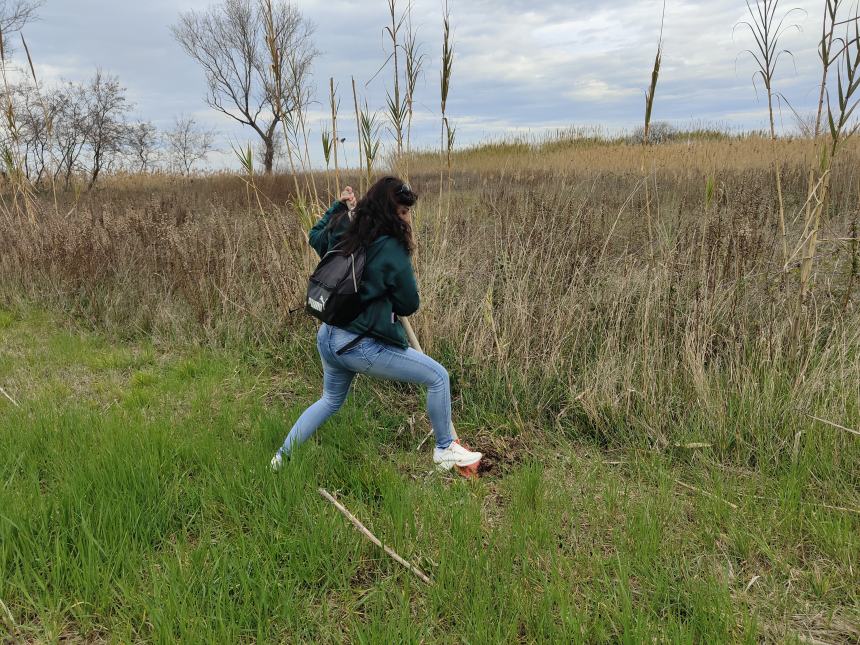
point(403, 288)
point(320, 235)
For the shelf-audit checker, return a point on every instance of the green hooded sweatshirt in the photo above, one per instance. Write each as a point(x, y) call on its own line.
point(388, 270)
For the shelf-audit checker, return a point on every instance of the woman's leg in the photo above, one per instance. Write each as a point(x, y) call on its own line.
point(411, 366)
point(336, 384)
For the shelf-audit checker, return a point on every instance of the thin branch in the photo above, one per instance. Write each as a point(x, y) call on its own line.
point(6, 394)
point(370, 536)
point(706, 493)
point(830, 423)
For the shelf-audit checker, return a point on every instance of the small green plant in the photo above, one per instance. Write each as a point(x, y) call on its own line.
point(370, 141)
point(327, 146)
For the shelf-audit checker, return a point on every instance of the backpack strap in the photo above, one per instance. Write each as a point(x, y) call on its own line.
point(355, 341)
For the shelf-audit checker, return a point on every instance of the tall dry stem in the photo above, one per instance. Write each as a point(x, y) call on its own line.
point(23, 194)
point(446, 138)
point(334, 103)
point(414, 66)
point(841, 128)
point(649, 107)
point(396, 107)
point(767, 30)
point(358, 131)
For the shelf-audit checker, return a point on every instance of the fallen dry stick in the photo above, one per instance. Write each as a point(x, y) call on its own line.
point(6, 394)
point(706, 493)
point(834, 425)
point(424, 440)
point(7, 618)
point(816, 504)
point(370, 536)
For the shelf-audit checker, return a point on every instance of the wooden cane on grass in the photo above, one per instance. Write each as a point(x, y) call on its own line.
point(370, 536)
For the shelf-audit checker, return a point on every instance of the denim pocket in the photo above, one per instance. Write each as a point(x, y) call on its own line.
point(371, 349)
point(354, 358)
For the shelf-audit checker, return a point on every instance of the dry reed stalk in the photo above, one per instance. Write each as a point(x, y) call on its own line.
point(414, 65)
point(247, 161)
point(445, 141)
point(326, 140)
point(396, 107)
point(23, 194)
point(370, 536)
point(300, 101)
point(336, 141)
point(49, 126)
point(276, 67)
point(649, 107)
point(358, 131)
point(854, 268)
point(841, 129)
point(767, 31)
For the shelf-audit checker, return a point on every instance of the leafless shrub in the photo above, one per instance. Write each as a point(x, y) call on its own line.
point(143, 143)
point(188, 143)
point(105, 130)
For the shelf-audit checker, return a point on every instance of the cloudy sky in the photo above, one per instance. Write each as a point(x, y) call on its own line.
point(522, 66)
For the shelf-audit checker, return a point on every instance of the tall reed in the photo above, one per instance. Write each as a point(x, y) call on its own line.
point(841, 129)
point(396, 107)
point(646, 131)
point(334, 103)
point(767, 30)
point(414, 67)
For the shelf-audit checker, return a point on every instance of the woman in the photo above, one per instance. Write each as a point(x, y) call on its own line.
point(375, 342)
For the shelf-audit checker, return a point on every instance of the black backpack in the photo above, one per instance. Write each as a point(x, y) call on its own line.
point(333, 287)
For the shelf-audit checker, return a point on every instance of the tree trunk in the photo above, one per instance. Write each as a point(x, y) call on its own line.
point(269, 158)
point(97, 166)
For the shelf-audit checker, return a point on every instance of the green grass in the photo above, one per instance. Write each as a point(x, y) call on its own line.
point(135, 505)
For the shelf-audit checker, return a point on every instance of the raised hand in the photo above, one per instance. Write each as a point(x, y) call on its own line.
point(347, 196)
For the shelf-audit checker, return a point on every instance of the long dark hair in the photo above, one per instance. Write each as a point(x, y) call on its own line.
point(376, 215)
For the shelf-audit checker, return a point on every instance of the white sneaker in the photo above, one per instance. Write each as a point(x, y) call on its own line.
point(277, 462)
point(454, 455)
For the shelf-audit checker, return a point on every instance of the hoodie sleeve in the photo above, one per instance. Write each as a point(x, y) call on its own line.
point(403, 287)
point(319, 236)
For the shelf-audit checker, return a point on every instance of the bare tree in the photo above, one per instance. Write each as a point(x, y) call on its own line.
point(256, 55)
point(279, 151)
point(106, 131)
point(187, 143)
point(143, 144)
point(14, 14)
point(71, 129)
point(31, 118)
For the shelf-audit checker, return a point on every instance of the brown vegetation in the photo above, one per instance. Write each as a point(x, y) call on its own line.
point(537, 286)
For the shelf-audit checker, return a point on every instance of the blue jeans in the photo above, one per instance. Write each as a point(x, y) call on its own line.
point(380, 360)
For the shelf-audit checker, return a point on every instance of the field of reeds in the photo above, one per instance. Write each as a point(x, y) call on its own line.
point(670, 410)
